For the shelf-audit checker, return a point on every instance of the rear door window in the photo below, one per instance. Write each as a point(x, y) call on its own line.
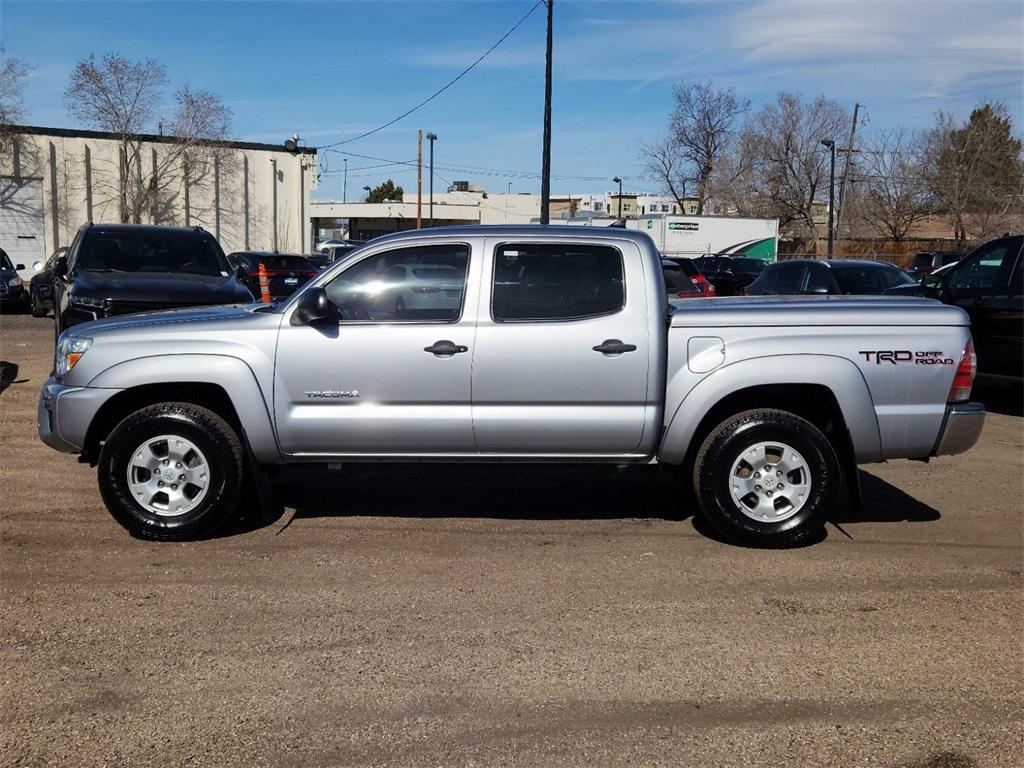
point(564, 281)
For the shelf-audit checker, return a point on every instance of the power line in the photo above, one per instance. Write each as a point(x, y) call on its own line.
point(443, 88)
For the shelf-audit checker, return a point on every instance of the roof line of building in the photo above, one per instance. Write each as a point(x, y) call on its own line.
point(80, 133)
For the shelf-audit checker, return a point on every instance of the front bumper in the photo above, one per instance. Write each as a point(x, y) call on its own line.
point(960, 428)
point(65, 413)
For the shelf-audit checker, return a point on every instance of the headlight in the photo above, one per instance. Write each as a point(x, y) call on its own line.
point(14, 282)
point(87, 301)
point(69, 352)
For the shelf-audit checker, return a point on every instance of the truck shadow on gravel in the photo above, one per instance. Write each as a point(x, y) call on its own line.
point(525, 492)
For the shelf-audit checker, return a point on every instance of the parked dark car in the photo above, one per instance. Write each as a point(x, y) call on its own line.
point(41, 284)
point(705, 286)
point(120, 269)
point(729, 275)
point(324, 258)
point(286, 272)
point(988, 284)
point(678, 282)
point(833, 277)
point(926, 262)
point(13, 293)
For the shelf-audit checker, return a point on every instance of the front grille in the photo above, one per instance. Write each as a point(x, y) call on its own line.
point(118, 307)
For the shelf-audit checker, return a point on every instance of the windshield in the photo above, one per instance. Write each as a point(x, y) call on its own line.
point(708, 264)
point(286, 262)
point(869, 279)
point(5, 261)
point(150, 250)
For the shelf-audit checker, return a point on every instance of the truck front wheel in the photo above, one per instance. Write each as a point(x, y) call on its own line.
point(171, 471)
point(767, 478)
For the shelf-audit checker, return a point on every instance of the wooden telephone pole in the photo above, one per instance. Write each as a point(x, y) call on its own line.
point(846, 170)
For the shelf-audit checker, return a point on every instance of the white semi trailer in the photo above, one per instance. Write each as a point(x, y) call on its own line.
point(696, 236)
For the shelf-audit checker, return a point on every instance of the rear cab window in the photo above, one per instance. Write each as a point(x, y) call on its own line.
point(556, 282)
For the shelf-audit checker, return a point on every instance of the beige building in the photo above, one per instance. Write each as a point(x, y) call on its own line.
point(53, 180)
point(363, 221)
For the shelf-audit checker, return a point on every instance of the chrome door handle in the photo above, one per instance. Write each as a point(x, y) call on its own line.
point(445, 348)
point(614, 347)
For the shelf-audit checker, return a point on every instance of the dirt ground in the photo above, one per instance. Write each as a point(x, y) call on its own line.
point(485, 616)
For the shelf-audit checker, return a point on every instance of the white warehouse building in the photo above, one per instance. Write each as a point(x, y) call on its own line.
point(53, 180)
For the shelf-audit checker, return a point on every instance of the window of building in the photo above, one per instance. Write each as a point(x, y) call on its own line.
point(422, 283)
point(556, 282)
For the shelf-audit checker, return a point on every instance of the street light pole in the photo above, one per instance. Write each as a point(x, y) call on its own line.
point(545, 171)
point(618, 181)
point(431, 137)
point(344, 184)
point(831, 195)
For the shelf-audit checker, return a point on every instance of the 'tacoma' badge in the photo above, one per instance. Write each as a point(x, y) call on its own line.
point(333, 394)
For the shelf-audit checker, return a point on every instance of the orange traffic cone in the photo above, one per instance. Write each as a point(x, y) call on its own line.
point(264, 283)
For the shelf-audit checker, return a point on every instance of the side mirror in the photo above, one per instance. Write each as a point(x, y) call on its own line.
point(314, 307)
point(37, 266)
point(241, 272)
point(819, 290)
point(60, 266)
point(931, 285)
point(19, 267)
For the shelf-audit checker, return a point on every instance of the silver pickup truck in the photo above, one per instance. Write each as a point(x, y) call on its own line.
point(523, 344)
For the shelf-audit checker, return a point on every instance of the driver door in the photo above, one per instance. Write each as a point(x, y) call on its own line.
point(385, 380)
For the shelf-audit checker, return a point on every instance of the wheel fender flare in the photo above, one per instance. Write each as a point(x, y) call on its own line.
point(231, 374)
point(838, 374)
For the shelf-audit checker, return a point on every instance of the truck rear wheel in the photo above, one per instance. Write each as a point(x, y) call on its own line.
point(171, 471)
point(767, 478)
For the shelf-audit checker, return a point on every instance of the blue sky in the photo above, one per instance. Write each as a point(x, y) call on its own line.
point(330, 70)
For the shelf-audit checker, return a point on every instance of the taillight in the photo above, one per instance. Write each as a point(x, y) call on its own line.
point(964, 379)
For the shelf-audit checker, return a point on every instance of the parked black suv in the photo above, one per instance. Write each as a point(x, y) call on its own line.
point(988, 285)
point(286, 272)
point(12, 287)
point(855, 277)
point(119, 269)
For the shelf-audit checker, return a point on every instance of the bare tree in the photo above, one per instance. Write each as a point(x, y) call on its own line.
point(784, 160)
point(892, 195)
point(974, 172)
point(700, 130)
point(703, 123)
point(121, 97)
point(663, 161)
point(12, 85)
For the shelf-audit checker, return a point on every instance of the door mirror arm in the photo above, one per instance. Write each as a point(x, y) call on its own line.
point(314, 308)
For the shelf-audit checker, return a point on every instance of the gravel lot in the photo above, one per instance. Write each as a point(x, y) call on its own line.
point(480, 616)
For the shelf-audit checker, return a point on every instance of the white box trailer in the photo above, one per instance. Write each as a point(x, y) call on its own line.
point(696, 236)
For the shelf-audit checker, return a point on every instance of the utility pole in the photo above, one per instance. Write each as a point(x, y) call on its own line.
point(419, 179)
point(846, 171)
point(545, 172)
point(619, 182)
point(831, 194)
point(344, 183)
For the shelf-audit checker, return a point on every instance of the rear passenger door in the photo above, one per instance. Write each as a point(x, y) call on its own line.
point(563, 351)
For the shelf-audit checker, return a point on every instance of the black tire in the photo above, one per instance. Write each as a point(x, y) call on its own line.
point(726, 444)
point(37, 308)
point(213, 436)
